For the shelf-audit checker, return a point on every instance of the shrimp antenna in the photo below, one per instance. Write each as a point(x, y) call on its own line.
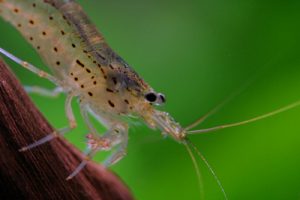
point(209, 167)
point(196, 166)
point(229, 98)
point(270, 114)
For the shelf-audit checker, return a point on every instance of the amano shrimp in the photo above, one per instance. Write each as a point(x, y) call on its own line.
point(84, 67)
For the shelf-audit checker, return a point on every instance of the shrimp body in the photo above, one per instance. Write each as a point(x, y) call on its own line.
point(84, 66)
point(76, 53)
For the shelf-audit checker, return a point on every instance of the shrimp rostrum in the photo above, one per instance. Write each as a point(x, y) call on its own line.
point(83, 66)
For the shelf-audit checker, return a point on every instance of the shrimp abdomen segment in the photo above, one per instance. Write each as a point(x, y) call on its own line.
point(50, 34)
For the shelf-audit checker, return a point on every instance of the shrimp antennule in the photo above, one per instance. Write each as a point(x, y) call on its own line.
point(270, 114)
point(219, 106)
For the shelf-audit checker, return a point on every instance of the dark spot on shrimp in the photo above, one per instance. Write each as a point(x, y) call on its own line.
point(44, 33)
point(73, 45)
point(31, 22)
point(76, 78)
point(58, 63)
point(71, 73)
point(101, 56)
point(126, 101)
point(50, 18)
point(92, 77)
point(79, 63)
point(91, 94)
point(31, 38)
point(109, 90)
point(19, 25)
point(111, 103)
point(55, 49)
point(33, 5)
point(16, 10)
point(65, 18)
point(62, 32)
point(114, 79)
point(82, 86)
point(88, 70)
point(102, 70)
point(94, 62)
point(111, 66)
point(95, 82)
point(38, 47)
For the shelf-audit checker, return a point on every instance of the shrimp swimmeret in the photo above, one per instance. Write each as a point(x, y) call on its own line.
point(83, 66)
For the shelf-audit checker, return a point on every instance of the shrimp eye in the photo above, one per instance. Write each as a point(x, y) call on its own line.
point(151, 97)
point(162, 98)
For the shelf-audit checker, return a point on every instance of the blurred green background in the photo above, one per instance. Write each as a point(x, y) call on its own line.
point(197, 52)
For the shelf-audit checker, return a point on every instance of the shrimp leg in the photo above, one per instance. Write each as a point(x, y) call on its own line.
point(88, 156)
point(59, 132)
point(113, 137)
point(43, 91)
point(84, 110)
point(120, 152)
point(29, 66)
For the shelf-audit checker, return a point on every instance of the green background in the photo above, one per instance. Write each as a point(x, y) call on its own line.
point(197, 52)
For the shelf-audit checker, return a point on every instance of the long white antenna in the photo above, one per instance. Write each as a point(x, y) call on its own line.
point(209, 167)
point(197, 169)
